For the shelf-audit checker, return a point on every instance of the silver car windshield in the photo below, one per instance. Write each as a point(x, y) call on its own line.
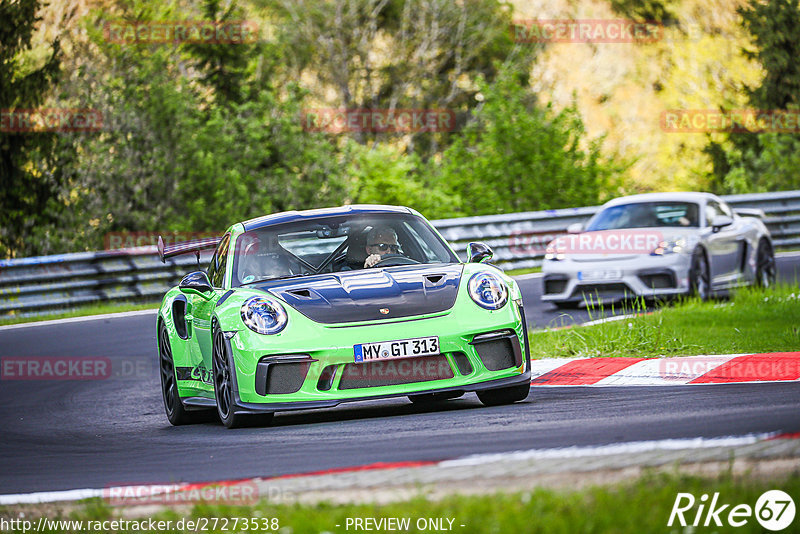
point(646, 215)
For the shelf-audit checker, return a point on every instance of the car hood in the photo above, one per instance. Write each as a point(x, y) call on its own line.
point(371, 294)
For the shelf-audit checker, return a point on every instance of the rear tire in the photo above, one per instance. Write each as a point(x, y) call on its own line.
point(765, 265)
point(507, 395)
point(176, 412)
point(223, 387)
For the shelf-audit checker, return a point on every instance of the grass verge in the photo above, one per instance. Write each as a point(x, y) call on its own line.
point(753, 320)
point(520, 272)
point(93, 309)
point(642, 505)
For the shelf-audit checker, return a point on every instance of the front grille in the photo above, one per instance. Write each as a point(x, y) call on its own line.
point(603, 290)
point(554, 286)
point(395, 372)
point(497, 354)
point(326, 378)
point(462, 362)
point(281, 374)
point(285, 378)
point(658, 280)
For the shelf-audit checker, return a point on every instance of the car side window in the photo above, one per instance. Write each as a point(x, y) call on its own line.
point(712, 210)
point(216, 270)
point(726, 210)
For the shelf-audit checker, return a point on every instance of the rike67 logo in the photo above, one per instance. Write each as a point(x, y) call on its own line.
point(774, 510)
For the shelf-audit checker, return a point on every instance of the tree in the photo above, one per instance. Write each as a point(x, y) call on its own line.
point(390, 54)
point(187, 144)
point(224, 66)
point(26, 193)
point(382, 174)
point(750, 162)
point(516, 156)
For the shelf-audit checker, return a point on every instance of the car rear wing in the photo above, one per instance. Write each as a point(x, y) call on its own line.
point(750, 212)
point(185, 247)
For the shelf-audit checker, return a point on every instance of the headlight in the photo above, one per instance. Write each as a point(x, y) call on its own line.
point(552, 254)
point(669, 247)
point(488, 291)
point(264, 315)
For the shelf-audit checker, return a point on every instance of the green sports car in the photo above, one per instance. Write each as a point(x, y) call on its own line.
point(309, 309)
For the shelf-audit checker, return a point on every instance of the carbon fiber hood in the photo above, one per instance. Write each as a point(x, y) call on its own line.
point(371, 294)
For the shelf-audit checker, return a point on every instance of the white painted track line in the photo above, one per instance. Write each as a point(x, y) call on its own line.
point(51, 322)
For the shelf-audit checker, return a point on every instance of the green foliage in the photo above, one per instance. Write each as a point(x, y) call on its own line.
point(254, 158)
point(775, 27)
point(516, 156)
point(170, 159)
point(377, 54)
point(750, 162)
point(224, 66)
point(26, 194)
point(381, 175)
point(197, 136)
point(646, 10)
point(769, 165)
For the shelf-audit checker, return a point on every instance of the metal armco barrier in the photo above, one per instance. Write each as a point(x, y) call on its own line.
point(47, 284)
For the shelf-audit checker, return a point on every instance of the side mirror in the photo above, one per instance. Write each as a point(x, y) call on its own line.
point(720, 221)
point(479, 252)
point(575, 228)
point(196, 282)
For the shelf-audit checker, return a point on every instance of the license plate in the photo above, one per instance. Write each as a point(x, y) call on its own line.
point(615, 274)
point(401, 348)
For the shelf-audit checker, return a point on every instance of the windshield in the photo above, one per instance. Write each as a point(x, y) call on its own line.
point(336, 244)
point(646, 215)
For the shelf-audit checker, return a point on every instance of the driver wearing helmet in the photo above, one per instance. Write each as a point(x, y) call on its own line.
point(381, 241)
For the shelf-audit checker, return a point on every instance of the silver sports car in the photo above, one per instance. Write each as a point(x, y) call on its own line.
point(659, 245)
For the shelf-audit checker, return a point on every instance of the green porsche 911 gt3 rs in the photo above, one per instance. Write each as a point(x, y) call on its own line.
point(310, 309)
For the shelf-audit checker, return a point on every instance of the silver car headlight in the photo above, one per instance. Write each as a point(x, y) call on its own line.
point(488, 291)
point(264, 315)
point(669, 247)
point(551, 253)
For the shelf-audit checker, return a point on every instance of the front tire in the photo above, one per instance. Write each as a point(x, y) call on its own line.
point(765, 265)
point(699, 281)
point(176, 413)
point(223, 370)
point(507, 395)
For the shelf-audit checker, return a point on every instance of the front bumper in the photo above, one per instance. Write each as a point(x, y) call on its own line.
point(632, 276)
point(482, 350)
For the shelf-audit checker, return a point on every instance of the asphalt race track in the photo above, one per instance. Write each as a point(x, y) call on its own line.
point(96, 433)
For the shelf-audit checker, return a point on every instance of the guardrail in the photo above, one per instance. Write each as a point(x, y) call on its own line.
point(48, 284)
